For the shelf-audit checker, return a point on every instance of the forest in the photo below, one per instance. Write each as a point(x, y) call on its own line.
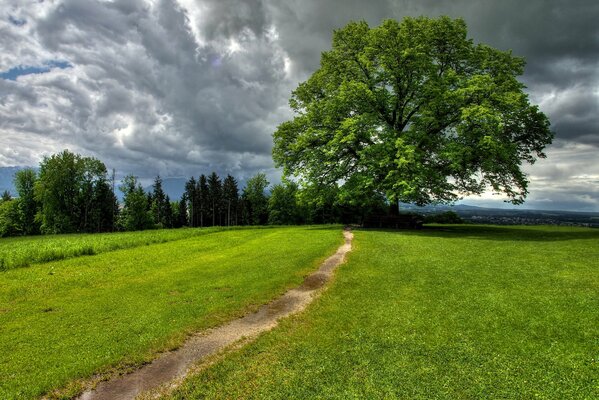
point(70, 193)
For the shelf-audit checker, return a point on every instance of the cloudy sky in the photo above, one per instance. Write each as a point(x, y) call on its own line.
point(183, 87)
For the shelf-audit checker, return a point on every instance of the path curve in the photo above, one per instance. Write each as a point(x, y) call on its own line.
point(175, 364)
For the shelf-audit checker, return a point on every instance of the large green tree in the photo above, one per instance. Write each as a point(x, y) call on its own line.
point(74, 194)
point(415, 111)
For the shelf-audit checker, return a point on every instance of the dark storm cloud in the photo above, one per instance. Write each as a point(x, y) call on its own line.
point(149, 97)
point(305, 27)
point(180, 87)
point(229, 18)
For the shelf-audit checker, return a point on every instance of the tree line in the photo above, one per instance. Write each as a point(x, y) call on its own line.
point(75, 194)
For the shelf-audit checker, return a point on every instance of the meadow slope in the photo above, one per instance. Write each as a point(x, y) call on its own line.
point(70, 319)
point(451, 312)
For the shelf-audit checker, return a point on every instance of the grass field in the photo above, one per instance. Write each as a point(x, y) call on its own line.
point(69, 319)
point(23, 251)
point(462, 312)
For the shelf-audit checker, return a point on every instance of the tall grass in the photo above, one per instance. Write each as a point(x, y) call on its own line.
point(76, 318)
point(18, 252)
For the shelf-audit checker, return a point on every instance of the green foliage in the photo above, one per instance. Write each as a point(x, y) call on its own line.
point(179, 211)
point(204, 199)
point(160, 206)
point(11, 223)
point(283, 205)
point(74, 195)
point(215, 198)
point(212, 202)
point(255, 199)
point(75, 318)
point(25, 251)
point(321, 203)
point(463, 312)
point(231, 200)
point(192, 199)
point(415, 111)
point(135, 215)
point(5, 197)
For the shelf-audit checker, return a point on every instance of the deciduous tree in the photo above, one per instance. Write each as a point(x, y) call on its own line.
point(416, 111)
point(73, 193)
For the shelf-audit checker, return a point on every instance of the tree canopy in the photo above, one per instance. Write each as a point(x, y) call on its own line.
point(415, 111)
point(74, 194)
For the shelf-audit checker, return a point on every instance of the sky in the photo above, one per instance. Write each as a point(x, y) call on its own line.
point(184, 87)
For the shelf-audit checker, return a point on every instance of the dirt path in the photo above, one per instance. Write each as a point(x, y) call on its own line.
point(174, 364)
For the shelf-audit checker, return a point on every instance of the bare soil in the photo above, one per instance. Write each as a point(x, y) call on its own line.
point(174, 365)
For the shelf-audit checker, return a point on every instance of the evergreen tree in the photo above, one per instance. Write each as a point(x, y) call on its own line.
point(95, 198)
point(193, 199)
point(105, 209)
point(159, 204)
point(135, 215)
point(230, 199)
point(181, 212)
point(215, 198)
point(256, 201)
point(203, 195)
point(24, 182)
point(167, 212)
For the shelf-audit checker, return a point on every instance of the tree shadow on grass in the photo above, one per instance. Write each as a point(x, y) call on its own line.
point(323, 227)
point(500, 233)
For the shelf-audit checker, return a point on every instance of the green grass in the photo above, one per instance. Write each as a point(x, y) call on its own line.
point(69, 319)
point(23, 251)
point(459, 312)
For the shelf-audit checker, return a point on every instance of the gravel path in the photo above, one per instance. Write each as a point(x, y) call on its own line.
point(173, 365)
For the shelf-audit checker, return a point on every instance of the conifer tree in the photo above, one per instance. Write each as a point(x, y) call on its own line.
point(230, 199)
point(204, 199)
point(214, 197)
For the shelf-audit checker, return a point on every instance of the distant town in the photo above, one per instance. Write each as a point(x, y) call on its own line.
point(481, 215)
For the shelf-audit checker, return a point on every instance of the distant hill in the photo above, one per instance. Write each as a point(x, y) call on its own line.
point(507, 216)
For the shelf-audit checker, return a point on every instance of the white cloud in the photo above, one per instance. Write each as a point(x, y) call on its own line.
point(181, 87)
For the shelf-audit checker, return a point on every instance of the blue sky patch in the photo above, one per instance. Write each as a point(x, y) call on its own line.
point(13, 73)
point(16, 21)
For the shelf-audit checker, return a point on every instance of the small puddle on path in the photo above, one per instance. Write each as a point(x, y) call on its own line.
point(175, 364)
